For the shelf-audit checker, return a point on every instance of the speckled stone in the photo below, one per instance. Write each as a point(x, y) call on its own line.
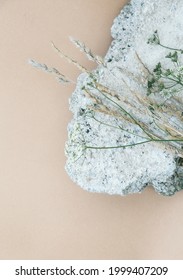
point(126, 171)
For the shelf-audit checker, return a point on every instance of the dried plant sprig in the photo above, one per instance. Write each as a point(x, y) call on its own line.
point(152, 136)
point(107, 95)
point(88, 52)
point(106, 99)
point(70, 60)
point(59, 76)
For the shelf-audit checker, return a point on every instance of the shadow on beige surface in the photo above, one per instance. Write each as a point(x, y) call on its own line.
point(43, 214)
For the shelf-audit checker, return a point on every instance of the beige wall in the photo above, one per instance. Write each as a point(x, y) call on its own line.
point(43, 214)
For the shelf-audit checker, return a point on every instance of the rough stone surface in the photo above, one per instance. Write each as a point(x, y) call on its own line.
point(118, 170)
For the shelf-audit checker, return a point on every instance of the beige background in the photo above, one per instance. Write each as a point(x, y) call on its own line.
point(43, 214)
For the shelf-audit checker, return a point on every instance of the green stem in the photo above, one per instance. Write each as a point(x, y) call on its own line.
point(117, 147)
point(135, 144)
point(169, 48)
point(119, 127)
point(171, 79)
point(171, 86)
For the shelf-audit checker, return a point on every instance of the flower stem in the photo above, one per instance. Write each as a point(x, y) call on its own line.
point(135, 144)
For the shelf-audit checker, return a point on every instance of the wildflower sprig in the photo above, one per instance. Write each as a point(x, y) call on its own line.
point(155, 40)
point(167, 81)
